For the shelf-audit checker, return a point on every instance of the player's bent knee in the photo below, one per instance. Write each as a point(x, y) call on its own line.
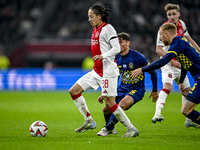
point(71, 91)
point(75, 89)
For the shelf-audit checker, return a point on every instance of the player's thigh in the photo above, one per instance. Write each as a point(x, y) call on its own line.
point(131, 98)
point(88, 81)
point(126, 102)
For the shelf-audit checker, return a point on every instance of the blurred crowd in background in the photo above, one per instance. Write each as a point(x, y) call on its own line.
point(67, 20)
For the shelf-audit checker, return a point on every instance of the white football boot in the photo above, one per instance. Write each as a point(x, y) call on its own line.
point(133, 132)
point(157, 117)
point(189, 123)
point(88, 124)
point(104, 132)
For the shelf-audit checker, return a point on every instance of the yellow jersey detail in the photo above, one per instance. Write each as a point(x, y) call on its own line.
point(185, 62)
point(126, 77)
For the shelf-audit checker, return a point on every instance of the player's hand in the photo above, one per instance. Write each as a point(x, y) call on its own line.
point(181, 88)
point(154, 96)
point(175, 64)
point(100, 99)
point(136, 72)
point(97, 57)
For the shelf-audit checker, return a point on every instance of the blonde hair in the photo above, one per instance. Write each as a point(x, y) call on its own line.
point(172, 6)
point(170, 27)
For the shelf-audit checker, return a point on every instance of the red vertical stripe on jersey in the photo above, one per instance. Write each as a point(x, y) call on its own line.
point(96, 49)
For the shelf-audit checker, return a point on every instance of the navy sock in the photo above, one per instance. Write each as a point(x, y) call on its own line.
point(111, 124)
point(107, 117)
point(194, 116)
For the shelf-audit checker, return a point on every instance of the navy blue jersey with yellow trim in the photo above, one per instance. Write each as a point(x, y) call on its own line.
point(126, 65)
point(186, 54)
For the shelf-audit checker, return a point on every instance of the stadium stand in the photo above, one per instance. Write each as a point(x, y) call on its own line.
point(36, 31)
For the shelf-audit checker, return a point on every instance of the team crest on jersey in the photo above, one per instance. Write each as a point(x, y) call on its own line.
point(96, 34)
point(124, 65)
point(181, 31)
point(131, 66)
point(170, 75)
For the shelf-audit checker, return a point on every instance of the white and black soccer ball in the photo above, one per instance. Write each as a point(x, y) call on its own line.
point(38, 129)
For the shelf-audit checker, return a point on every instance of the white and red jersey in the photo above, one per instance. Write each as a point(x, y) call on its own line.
point(181, 31)
point(105, 42)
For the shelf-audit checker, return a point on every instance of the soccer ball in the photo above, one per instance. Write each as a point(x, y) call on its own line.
point(38, 129)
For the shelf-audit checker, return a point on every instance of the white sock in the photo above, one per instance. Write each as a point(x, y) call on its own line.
point(160, 102)
point(82, 106)
point(183, 99)
point(121, 116)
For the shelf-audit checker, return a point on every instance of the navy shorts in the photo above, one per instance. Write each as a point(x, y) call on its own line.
point(137, 95)
point(194, 93)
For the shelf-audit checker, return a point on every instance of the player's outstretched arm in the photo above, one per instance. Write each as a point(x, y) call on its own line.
point(188, 37)
point(161, 52)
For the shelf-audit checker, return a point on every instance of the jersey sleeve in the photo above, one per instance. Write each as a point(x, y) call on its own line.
point(110, 36)
point(159, 63)
point(110, 33)
point(184, 28)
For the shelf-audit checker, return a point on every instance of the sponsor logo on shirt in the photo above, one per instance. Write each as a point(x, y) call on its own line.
point(95, 42)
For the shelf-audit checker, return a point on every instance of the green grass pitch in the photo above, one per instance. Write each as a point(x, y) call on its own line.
point(19, 109)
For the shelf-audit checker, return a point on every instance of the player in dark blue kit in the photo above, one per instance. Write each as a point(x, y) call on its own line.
point(130, 90)
point(189, 58)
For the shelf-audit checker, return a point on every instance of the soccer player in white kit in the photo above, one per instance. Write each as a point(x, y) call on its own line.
point(104, 46)
point(170, 71)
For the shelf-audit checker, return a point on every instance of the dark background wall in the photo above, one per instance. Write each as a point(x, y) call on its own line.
point(33, 32)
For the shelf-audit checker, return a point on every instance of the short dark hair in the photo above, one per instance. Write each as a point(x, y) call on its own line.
point(124, 36)
point(103, 11)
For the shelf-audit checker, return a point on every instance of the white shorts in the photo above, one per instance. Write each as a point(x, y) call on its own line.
point(92, 80)
point(170, 73)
